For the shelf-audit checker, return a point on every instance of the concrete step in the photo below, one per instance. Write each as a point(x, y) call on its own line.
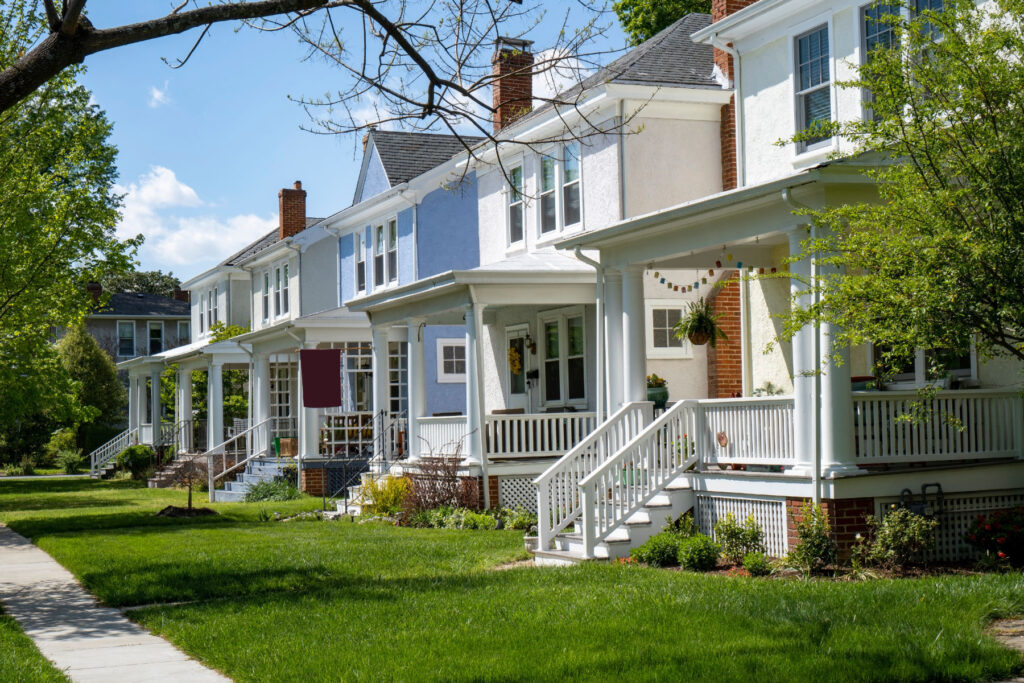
point(225, 496)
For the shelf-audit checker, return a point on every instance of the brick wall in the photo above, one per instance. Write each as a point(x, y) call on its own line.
point(725, 363)
point(512, 88)
point(311, 481)
point(846, 515)
point(292, 210)
point(719, 10)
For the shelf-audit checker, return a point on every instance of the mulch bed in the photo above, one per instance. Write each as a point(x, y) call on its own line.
point(175, 511)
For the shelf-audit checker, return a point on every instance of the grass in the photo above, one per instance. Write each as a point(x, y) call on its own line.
point(19, 658)
point(343, 601)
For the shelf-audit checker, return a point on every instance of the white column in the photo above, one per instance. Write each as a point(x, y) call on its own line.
point(613, 338)
point(417, 385)
point(309, 418)
point(475, 409)
point(183, 409)
point(381, 394)
point(154, 401)
point(260, 398)
point(215, 404)
point(805, 367)
point(634, 352)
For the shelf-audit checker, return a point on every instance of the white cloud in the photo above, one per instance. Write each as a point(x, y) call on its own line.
point(193, 240)
point(158, 97)
point(556, 74)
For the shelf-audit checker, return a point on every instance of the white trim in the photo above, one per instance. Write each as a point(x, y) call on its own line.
point(561, 317)
point(187, 338)
point(117, 333)
point(448, 377)
point(163, 339)
point(685, 351)
point(511, 332)
point(506, 196)
point(804, 29)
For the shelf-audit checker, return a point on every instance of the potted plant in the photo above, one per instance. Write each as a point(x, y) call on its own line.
point(700, 324)
point(657, 391)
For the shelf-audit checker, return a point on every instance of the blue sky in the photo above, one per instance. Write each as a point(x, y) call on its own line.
point(204, 149)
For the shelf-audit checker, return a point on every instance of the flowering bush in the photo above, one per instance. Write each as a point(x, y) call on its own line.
point(1001, 533)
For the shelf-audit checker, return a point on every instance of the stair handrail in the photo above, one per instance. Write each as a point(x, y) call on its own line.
point(110, 450)
point(558, 503)
point(221, 448)
point(611, 492)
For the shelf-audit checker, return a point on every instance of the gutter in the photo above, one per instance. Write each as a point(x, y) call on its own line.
point(601, 368)
point(741, 149)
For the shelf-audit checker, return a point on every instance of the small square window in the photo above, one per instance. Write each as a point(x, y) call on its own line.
point(451, 360)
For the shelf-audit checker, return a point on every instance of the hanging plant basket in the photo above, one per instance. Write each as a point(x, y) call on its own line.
point(700, 324)
point(699, 338)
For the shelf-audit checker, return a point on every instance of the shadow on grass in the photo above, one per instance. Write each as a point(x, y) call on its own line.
point(140, 518)
point(37, 486)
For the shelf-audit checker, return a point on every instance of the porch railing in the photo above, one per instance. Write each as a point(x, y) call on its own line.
point(558, 500)
point(955, 425)
point(236, 452)
point(441, 435)
point(748, 431)
point(167, 434)
point(108, 451)
point(541, 434)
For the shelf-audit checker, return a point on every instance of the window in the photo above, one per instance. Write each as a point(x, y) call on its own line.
point(515, 205)
point(216, 300)
point(575, 364)
point(398, 376)
point(661, 318)
point(571, 184)
point(284, 288)
point(378, 256)
point(156, 337)
point(924, 367)
point(451, 360)
point(202, 314)
point(125, 338)
point(184, 335)
point(360, 262)
point(211, 305)
point(564, 360)
point(813, 96)
point(548, 200)
point(393, 250)
point(878, 35)
point(277, 291)
point(552, 362)
point(928, 5)
point(266, 296)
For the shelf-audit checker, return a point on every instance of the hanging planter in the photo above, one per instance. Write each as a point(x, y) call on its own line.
point(700, 324)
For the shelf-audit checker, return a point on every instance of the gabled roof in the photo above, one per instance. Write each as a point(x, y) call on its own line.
point(265, 242)
point(406, 155)
point(131, 304)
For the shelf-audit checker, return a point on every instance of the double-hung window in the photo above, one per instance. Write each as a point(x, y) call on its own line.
point(183, 332)
point(360, 248)
point(266, 296)
point(877, 24)
point(277, 291)
point(156, 337)
point(564, 360)
point(209, 309)
point(284, 288)
point(548, 198)
point(571, 184)
point(515, 205)
point(393, 250)
point(202, 313)
point(215, 298)
point(813, 94)
point(378, 255)
point(125, 338)
point(933, 6)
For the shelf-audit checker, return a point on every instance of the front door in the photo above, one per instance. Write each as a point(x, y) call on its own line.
point(517, 362)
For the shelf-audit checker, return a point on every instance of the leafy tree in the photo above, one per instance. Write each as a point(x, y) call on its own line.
point(94, 374)
point(936, 263)
point(643, 19)
point(236, 382)
point(144, 281)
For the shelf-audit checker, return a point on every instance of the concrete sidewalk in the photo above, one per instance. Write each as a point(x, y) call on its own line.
point(84, 640)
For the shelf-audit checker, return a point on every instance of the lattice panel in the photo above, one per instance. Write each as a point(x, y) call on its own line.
point(958, 512)
point(513, 491)
point(770, 513)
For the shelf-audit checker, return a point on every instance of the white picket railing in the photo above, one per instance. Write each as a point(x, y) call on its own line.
point(237, 451)
point(167, 434)
point(533, 435)
point(442, 435)
point(110, 450)
point(558, 501)
point(634, 474)
point(755, 431)
point(955, 425)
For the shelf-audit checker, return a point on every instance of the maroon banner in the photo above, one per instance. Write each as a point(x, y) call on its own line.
point(321, 377)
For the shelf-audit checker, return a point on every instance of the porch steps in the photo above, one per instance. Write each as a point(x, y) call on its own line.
point(672, 501)
point(165, 476)
point(261, 469)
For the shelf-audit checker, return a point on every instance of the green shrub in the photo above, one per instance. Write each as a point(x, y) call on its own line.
point(738, 539)
point(62, 440)
point(11, 470)
point(816, 549)
point(698, 553)
point(660, 550)
point(1000, 534)
point(272, 491)
point(28, 465)
point(480, 520)
point(757, 564)
point(135, 460)
point(900, 539)
point(684, 527)
point(518, 518)
point(385, 496)
point(70, 460)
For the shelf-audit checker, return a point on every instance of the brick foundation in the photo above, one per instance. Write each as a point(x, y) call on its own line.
point(311, 481)
point(725, 363)
point(847, 517)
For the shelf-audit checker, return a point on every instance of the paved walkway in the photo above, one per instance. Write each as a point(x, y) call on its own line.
point(86, 641)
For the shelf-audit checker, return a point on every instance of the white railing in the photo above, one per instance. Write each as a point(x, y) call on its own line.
point(237, 451)
point(442, 435)
point(167, 434)
point(535, 435)
point(755, 431)
point(146, 434)
point(558, 501)
point(638, 471)
point(110, 450)
point(955, 425)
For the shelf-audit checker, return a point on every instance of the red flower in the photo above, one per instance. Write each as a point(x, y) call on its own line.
point(1002, 555)
point(1001, 540)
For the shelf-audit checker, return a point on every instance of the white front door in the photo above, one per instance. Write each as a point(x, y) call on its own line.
point(516, 366)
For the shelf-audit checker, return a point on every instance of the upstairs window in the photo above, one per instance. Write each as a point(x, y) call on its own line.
point(548, 199)
point(393, 250)
point(571, 184)
point(813, 95)
point(360, 262)
point(284, 288)
point(202, 313)
point(876, 20)
point(921, 6)
point(156, 337)
point(183, 332)
point(266, 296)
point(515, 205)
point(216, 299)
point(378, 256)
point(125, 339)
point(209, 309)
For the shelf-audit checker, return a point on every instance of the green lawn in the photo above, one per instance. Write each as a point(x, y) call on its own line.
point(19, 658)
point(340, 601)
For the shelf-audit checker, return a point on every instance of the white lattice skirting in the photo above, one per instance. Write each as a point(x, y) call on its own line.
point(770, 513)
point(513, 491)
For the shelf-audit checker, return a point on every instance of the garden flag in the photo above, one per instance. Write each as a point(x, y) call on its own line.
point(321, 377)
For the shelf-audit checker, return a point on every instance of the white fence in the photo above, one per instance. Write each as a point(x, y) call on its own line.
point(541, 434)
point(749, 431)
point(442, 435)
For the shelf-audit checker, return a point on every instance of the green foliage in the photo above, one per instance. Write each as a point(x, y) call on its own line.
point(447, 517)
point(62, 440)
point(272, 491)
point(683, 527)
point(1000, 535)
point(900, 539)
point(698, 553)
point(385, 496)
point(71, 461)
point(739, 539)
point(235, 382)
point(933, 264)
point(757, 564)
point(816, 548)
point(655, 382)
point(97, 384)
point(28, 466)
point(660, 550)
point(643, 19)
point(135, 460)
point(700, 324)
point(141, 281)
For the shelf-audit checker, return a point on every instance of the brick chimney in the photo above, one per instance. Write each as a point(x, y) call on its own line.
point(182, 295)
point(292, 206)
point(512, 88)
point(96, 289)
point(720, 9)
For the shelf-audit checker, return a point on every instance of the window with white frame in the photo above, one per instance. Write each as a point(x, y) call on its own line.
point(920, 6)
point(515, 205)
point(878, 34)
point(393, 250)
point(662, 315)
point(451, 360)
point(564, 361)
point(266, 296)
point(548, 198)
point(398, 376)
point(202, 313)
point(216, 300)
point(125, 338)
point(209, 309)
point(813, 94)
point(571, 184)
point(284, 288)
point(926, 366)
point(183, 332)
point(379, 247)
point(277, 291)
point(156, 337)
point(360, 247)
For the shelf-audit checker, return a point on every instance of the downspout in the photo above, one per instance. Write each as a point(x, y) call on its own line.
point(622, 180)
point(741, 151)
point(746, 339)
point(600, 372)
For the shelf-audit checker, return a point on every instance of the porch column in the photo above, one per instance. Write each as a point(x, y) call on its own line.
point(417, 385)
point(154, 401)
point(634, 353)
point(183, 409)
point(215, 403)
point(260, 399)
point(613, 339)
point(309, 421)
point(475, 410)
point(805, 368)
point(381, 395)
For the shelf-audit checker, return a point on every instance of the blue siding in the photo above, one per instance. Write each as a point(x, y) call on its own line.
point(347, 267)
point(375, 181)
point(447, 227)
point(441, 398)
point(406, 247)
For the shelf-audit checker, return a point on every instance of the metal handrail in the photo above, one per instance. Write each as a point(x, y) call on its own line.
point(221, 449)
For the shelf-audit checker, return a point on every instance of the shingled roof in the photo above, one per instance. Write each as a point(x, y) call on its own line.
point(131, 304)
point(265, 242)
point(406, 155)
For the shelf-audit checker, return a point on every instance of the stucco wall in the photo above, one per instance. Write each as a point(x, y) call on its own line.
point(447, 227)
point(406, 247)
point(448, 397)
point(375, 181)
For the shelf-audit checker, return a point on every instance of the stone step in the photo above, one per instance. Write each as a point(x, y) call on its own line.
point(224, 496)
